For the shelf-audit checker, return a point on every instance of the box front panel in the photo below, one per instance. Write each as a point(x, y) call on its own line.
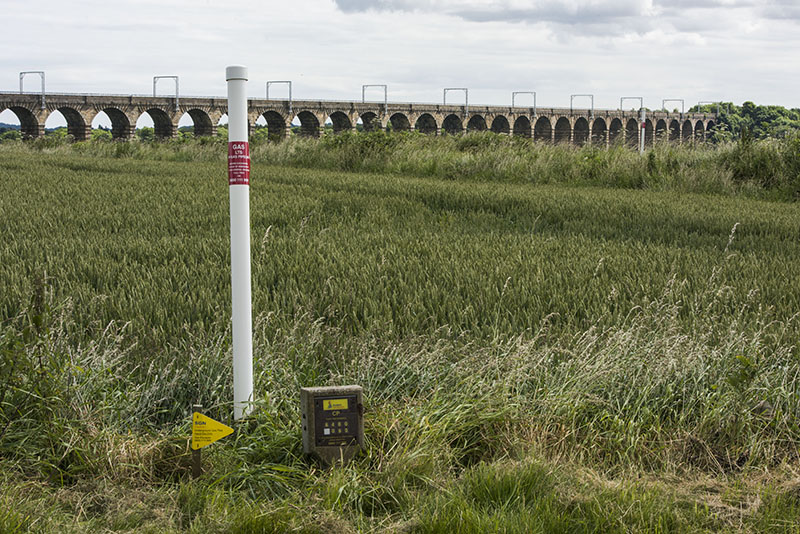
point(336, 421)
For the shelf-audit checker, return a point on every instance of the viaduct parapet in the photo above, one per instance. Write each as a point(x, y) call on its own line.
point(556, 125)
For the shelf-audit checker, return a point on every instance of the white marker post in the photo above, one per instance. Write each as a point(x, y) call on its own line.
point(644, 132)
point(239, 187)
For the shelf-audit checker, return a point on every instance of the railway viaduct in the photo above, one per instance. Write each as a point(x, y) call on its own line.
point(556, 125)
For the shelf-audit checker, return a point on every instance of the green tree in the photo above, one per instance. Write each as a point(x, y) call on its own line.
point(11, 135)
point(58, 133)
point(101, 134)
point(146, 134)
point(762, 121)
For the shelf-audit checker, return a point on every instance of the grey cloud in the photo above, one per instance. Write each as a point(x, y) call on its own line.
point(770, 9)
point(701, 4)
point(583, 17)
point(507, 10)
point(356, 6)
point(593, 17)
point(556, 12)
point(782, 10)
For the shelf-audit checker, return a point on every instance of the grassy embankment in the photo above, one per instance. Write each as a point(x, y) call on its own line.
point(536, 358)
point(767, 168)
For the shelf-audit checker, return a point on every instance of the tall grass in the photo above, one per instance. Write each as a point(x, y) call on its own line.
point(769, 167)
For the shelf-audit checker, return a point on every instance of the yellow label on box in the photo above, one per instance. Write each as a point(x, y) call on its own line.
point(334, 404)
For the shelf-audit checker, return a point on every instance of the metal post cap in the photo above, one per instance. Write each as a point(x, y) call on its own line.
point(235, 72)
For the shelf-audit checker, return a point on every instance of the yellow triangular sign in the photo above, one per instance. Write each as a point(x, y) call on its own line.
point(206, 431)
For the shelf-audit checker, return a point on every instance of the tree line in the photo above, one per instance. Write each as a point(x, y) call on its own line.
point(751, 120)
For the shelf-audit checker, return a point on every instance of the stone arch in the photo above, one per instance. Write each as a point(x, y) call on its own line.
point(426, 124)
point(76, 124)
point(309, 124)
point(500, 125)
point(599, 131)
point(452, 125)
point(648, 132)
point(203, 127)
point(615, 131)
point(661, 130)
point(699, 132)
point(580, 130)
point(370, 122)
point(476, 123)
point(632, 132)
point(543, 130)
point(687, 131)
point(674, 130)
point(276, 124)
point(6, 116)
point(99, 120)
point(121, 124)
point(562, 130)
point(400, 123)
point(522, 127)
point(53, 121)
point(28, 123)
point(162, 123)
point(341, 122)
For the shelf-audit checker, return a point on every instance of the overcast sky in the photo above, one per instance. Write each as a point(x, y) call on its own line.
point(734, 50)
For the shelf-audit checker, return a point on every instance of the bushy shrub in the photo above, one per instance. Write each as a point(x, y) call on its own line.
point(10, 135)
point(101, 135)
point(769, 163)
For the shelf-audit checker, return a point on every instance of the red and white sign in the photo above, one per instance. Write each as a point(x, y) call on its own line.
point(238, 163)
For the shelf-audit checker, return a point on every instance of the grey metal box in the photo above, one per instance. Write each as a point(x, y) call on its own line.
point(333, 422)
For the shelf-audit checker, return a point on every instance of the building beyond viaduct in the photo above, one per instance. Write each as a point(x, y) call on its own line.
point(558, 125)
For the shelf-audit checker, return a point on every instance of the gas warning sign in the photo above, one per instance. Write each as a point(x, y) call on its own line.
point(238, 163)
